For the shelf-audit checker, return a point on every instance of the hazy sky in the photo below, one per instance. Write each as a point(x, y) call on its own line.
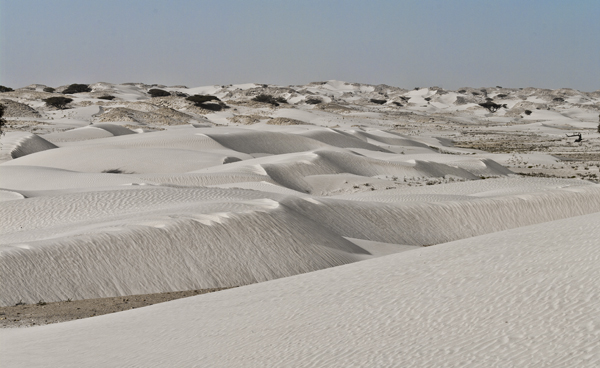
point(446, 43)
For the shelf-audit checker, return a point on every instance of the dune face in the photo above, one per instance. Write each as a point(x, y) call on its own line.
point(345, 183)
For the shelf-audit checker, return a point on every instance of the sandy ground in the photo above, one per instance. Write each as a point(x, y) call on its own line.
point(41, 313)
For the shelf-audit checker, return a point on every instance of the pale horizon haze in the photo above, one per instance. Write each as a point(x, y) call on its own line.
point(450, 44)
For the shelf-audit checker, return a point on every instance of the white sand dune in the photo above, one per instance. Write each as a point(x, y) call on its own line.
point(18, 144)
point(171, 223)
point(337, 209)
point(525, 297)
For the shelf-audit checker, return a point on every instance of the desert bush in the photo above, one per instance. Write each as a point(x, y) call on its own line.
point(527, 112)
point(2, 121)
point(379, 102)
point(266, 99)
point(211, 106)
point(313, 101)
point(48, 89)
point(475, 93)
point(558, 99)
point(116, 171)
point(462, 91)
point(200, 99)
point(397, 103)
point(5, 89)
point(59, 102)
point(427, 99)
point(281, 100)
point(155, 92)
point(107, 97)
point(77, 88)
point(502, 95)
point(491, 106)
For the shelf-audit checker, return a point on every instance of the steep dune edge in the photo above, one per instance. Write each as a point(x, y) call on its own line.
point(19, 144)
point(434, 223)
point(166, 246)
point(178, 252)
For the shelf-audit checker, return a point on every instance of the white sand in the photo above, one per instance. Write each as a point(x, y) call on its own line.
point(337, 210)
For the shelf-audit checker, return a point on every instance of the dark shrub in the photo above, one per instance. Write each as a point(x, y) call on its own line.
point(475, 93)
point(49, 89)
point(527, 112)
point(502, 95)
point(211, 106)
point(58, 102)
point(77, 88)
point(266, 99)
point(558, 99)
point(397, 103)
point(404, 98)
point(106, 97)
point(2, 121)
point(281, 100)
point(379, 102)
point(6, 89)
point(200, 99)
point(313, 101)
point(116, 171)
point(462, 91)
point(180, 94)
point(155, 92)
point(427, 99)
point(492, 107)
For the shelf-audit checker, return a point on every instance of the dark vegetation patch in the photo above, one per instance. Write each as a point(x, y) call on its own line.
point(264, 98)
point(77, 88)
point(117, 171)
point(202, 101)
point(58, 102)
point(107, 97)
point(379, 102)
point(155, 92)
point(5, 89)
point(313, 101)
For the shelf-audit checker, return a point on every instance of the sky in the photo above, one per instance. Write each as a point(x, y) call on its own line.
point(403, 43)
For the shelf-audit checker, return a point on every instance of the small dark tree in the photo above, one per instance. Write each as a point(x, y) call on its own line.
point(155, 92)
point(313, 101)
point(491, 106)
point(266, 99)
point(527, 112)
point(58, 102)
point(77, 88)
point(6, 89)
point(200, 99)
point(2, 121)
point(281, 100)
point(48, 89)
point(379, 102)
point(502, 95)
point(107, 97)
